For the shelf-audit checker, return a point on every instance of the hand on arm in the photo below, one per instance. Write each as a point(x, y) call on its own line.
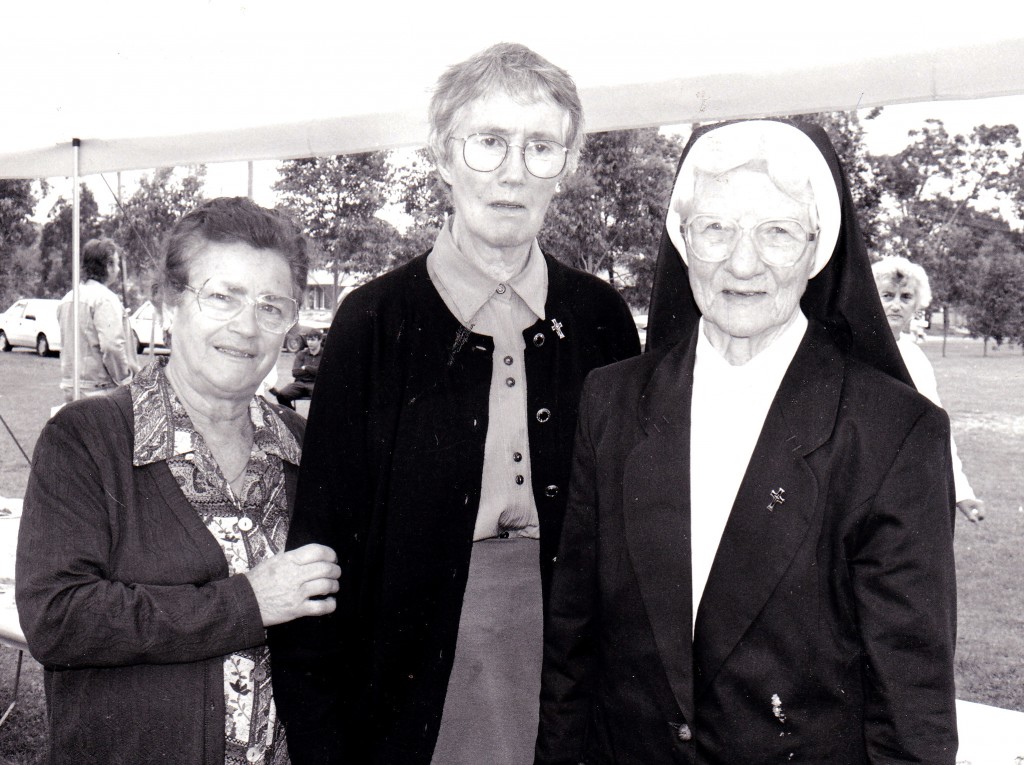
point(296, 583)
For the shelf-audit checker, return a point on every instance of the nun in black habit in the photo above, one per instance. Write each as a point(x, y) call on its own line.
point(757, 562)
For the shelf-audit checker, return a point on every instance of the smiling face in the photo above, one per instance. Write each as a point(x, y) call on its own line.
point(498, 214)
point(899, 301)
point(218, 359)
point(742, 298)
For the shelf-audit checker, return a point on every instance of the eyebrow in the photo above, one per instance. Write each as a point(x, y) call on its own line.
point(542, 135)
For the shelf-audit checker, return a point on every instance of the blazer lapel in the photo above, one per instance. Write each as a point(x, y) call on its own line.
point(656, 506)
point(775, 505)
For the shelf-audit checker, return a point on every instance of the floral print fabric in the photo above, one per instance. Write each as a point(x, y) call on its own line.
point(249, 528)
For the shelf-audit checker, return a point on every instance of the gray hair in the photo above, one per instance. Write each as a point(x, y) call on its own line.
point(904, 273)
point(508, 68)
point(232, 219)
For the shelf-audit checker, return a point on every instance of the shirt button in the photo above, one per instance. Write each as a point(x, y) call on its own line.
point(501, 289)
point(252, 754)
point(244, 523)
point(510, 382)
point(538, 339)
point(508, 361)
point(517, 457)
point(519, 480)
point(543, 415)
point(551, 491)
point(684, 732)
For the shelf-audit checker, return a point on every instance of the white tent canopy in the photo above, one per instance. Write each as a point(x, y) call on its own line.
point(208, 80)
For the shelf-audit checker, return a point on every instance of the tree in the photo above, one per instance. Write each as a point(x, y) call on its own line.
point(56, 245)
point(17, 202)
point(846, 132)
point(996, 309)
point(141, 222)
point(336, 200)
point(607, 218)
point(421, 194)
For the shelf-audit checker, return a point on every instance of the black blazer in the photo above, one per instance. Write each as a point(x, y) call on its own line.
point(827, 626)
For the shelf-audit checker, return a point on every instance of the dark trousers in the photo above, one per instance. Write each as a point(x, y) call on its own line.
point(293, 391)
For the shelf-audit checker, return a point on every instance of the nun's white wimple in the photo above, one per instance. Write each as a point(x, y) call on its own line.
point(789, 153)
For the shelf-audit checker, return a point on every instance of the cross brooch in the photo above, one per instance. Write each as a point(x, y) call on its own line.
point(556, 325)
point(778, 497)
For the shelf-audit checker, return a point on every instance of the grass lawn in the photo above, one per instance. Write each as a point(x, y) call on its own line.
point(984, 396)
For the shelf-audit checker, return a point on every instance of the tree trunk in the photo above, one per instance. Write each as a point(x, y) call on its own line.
point(945, 328)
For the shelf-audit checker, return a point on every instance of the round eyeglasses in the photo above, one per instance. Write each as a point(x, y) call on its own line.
point(484, 152)
point(778, 242)
point(274, 313)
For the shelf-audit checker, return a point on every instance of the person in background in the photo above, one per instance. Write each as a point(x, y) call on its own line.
point(304, 369)
point(151, 554)
point(104, 362)
point(439, 444)
point(757, 558)
point(904, 290)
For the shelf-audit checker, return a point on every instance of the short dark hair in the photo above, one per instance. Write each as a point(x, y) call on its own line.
point(508, 68)
point(97, 255)
point(232, 219)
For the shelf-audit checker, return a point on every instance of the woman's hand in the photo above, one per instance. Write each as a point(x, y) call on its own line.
point(295, 583)
point(974, 509)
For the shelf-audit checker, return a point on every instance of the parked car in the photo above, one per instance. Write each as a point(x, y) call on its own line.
point(310, 319)
point(641, 327)
point(31, 323)
point(147, 328)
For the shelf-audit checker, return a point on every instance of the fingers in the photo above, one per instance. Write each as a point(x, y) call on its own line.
point(312, 553)
point(317, 588)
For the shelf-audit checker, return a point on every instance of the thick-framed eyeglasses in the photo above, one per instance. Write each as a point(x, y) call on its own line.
point(485, 152)
point(778, 241)
point(216, 300)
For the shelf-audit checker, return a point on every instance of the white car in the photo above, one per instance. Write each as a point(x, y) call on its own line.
point(147, 328)
point(31, 323)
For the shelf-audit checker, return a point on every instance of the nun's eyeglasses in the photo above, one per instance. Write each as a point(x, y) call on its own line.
point(274, 313)
point(485, 152)
point(778, 242)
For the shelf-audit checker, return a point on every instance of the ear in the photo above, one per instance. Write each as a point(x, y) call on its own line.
point(444, 170)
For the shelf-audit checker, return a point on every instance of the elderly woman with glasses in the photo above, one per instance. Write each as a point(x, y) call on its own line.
point(438, 449)
point(151, 551)
point(757, 557)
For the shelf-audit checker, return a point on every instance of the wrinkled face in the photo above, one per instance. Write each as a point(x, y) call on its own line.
point(899, 301)
point(501, 210)
point(227, 358)
point(742, 296)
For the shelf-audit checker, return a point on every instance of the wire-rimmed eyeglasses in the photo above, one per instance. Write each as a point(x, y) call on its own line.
point(778, 241)
point(485, 152)
point(216, 300)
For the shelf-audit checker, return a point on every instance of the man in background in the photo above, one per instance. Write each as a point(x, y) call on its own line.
point(104, 363)
point(304, 369)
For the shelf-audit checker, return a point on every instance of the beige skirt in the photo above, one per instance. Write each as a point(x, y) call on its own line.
point(491, 708)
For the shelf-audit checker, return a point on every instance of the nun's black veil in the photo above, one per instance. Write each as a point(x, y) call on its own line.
point(842, 296)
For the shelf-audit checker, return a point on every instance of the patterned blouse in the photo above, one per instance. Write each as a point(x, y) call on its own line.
point(248, 528)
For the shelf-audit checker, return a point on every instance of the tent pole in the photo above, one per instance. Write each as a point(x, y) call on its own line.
point(76, 215)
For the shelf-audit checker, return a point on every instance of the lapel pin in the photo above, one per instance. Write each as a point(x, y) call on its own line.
point(778, 497)
point(556, 325)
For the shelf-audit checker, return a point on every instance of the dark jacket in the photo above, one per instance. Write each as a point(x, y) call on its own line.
point(815, 612)
point(125, 598)
point(391, 475)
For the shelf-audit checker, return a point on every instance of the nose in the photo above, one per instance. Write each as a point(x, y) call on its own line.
point(744, 261)
point(245, 322)
point(513, 169)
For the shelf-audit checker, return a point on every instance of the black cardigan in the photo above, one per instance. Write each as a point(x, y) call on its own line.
point(391, 473)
